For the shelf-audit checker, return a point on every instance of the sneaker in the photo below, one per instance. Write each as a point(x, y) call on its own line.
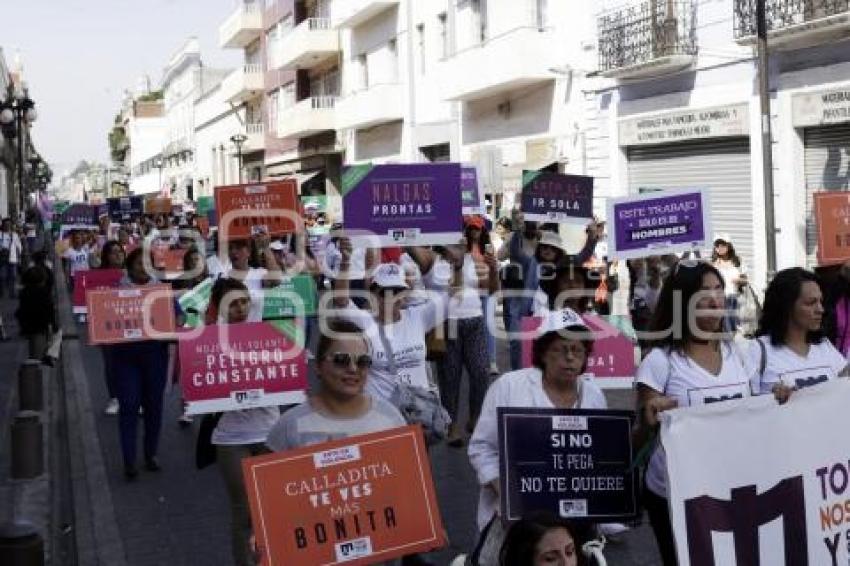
point(184, 421)
point(494, 368)
point(152, 464)
point(111, 407)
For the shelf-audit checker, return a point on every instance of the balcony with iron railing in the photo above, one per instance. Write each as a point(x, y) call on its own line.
point(244, 83)
point(310, 116)
point(255, 133)
point(308, 44)
point(243, 26)
point(794, 23)
point(647, 39)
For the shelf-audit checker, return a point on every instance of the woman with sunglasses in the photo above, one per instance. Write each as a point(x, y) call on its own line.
point(691, 363)
point(242, 433)
point(790, 349)
point(560, 355)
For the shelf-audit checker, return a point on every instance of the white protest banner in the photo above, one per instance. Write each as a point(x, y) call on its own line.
point(754, 483)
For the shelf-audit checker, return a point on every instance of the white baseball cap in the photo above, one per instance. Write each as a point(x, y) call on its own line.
point(548, 238)
point(558, 320)
point(389, 276)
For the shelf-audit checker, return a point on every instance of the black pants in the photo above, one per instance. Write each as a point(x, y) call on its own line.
point(659, 517)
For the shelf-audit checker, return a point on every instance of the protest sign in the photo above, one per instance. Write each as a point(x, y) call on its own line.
point(194, 303)
point(740, 496)
point(360, 500)
point(167, 259)
point(203, 224)
point(612, 361)
point(79, 215)
point(158, 205)
point(295, 296)
point(832, 217)
point(472, 197)
point(273, 209)
point(551, 197)
point(398, 205)
point(89, 279)
point(573, 463)
point(204, 206)
point(658, 223)
point(241, 366)
point(130, 314)
point(125, 208)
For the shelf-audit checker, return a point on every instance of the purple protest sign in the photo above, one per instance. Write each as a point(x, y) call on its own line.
point(551, 197)
point(470, 191)
point(658, 223)
point(401, 205)
point(79, 214)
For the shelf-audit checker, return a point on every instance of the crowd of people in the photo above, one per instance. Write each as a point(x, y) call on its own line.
point(403, 326)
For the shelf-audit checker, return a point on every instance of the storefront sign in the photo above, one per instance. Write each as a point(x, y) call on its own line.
point(241, 366)
point(125, 208)
point(719, 121)
point(472, 197)
point(273, 209)
point(821, 108)
point(571, 463)
point(359, 500)
point(398, 205)
point(295, 296)
point(747, 497)
point(128, 315)
point(612, 362)
point(550, 197)
point(89, 279)
point(832, 217)
point(658, 223)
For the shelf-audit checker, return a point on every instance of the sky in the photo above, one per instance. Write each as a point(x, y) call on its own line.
point(80, 55)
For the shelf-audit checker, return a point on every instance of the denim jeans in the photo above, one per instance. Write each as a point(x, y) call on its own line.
point(513, 311)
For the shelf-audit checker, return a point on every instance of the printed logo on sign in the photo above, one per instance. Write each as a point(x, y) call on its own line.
point(259, 229)
point(133, 333)
point(357, 548)
point(127, 293)
point(565, 422)
point(573, 507)
point(336, 456)
point(255, 190)
point(553, 215)
point(742, 515)
point(397, 235)
point(405, 235)
point(249, 397)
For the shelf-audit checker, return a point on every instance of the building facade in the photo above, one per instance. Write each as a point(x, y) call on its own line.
point(144, 124)
point(677, 105)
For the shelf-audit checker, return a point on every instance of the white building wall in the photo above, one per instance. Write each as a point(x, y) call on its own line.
point(216, 161)
point(147, 138)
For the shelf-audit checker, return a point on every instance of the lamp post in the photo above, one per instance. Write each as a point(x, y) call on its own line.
point(17, 112)
point(238, 140)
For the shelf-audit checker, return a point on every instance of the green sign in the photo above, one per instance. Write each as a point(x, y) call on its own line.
point(296, 296)
point(194, 303)
point(204, 206)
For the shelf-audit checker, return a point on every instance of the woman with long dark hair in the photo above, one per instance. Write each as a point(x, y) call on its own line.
point(691, 363)
point(729, 264)
point(790, 349)
point(112, 256)
point(478, 246)
point(543, 539)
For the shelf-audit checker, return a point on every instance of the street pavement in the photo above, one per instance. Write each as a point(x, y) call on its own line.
point(180, 516)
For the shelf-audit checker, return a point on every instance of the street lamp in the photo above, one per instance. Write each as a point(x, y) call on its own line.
point(239, 139)
point(18, 111)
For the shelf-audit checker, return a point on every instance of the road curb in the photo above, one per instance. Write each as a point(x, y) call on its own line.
point(96, 525)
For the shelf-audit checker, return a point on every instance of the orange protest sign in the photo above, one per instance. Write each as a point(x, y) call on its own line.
point(159, 205)
point(247, 210)
point(357, 501)
point(129, 314)
point(832, 214)
point(168, 259)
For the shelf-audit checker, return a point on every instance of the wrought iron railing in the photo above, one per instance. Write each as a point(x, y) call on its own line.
point(784, 13)
point(646, 31)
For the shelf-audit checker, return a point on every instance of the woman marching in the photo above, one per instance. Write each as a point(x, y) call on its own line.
point(112, 256)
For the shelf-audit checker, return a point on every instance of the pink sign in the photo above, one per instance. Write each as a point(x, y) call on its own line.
point(90, 279)
point(241, 366)
point(612, 362)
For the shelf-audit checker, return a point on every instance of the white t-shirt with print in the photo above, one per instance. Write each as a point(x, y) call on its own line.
point(675, 375)
point(78, 259)
point(823, 362)
point(253, 280)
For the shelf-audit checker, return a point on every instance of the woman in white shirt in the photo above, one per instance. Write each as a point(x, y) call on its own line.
point(555, 381)
point(690, 364)
point(790, 350)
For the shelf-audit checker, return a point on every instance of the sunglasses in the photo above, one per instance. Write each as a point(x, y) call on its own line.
point(343, 360)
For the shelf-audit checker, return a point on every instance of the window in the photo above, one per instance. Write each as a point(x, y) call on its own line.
point(420, 41)
point(287, 95)
point(541, 13)
point(363, 72)
point(444, 35)
point(479, 20)
point(274, 104)
point(439, 153)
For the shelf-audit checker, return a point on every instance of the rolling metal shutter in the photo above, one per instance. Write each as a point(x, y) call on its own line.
point(827, 163)
point(722, 166)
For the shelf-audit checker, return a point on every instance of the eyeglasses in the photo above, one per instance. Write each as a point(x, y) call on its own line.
point(343, 360)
